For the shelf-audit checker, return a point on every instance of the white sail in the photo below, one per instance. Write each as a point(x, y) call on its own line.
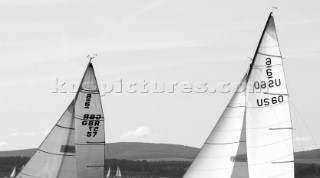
point(223, 155)
point(56, 155)
point(89, 125)
point(13, 173)
point(268, 122)
point(108, 173)
point(118, 173)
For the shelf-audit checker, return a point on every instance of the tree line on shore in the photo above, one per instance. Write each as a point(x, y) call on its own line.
point(143, 168)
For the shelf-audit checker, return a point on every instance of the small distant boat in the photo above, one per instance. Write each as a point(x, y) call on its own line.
point(118, 173)
point(108, 174)
point(75, 146)
point(253, 137)
point(13, 173)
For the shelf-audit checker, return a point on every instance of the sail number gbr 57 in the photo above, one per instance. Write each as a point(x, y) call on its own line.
point(91, 120)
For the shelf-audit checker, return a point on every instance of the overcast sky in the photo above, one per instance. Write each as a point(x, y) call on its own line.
point(156, 40)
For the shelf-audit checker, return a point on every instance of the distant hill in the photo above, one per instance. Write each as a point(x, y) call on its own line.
point(133, 151)
point(160, 152)
point(312, 156)
point(14, 153)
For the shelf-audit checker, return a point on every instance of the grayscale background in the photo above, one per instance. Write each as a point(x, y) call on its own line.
point(45, 41)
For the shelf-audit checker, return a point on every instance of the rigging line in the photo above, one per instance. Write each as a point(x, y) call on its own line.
point(285, 79)
point(227, 143)
point(288, 146)
point(269, 144)
point(267, 126)
point(259, 44)
point(264, 66)
point(271, 160)
point(299, 132)
point(304, 122)
point(108, 154)
point(29, 175)
point(271, 54)
point(297, 121)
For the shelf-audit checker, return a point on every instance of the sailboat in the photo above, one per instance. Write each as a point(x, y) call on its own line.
point(108, 174)
point(118, 173)
point(253, 136)
point(75, 146)
point(13, 173)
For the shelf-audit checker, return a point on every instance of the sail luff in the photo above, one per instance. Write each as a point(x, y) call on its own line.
point(257, 49)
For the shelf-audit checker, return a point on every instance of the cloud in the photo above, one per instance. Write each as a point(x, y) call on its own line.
point(156, 45)
point(14, 134)
point(303, 139)
point(31, 2)
point(29, 134)
point(153, 5)
point(46, 132)
point(3, 143)
point(139, 132)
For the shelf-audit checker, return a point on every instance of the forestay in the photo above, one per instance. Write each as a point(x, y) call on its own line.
point(268, 123)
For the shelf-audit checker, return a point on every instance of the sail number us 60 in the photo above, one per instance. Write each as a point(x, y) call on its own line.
point(271, 83)
point(268, 101)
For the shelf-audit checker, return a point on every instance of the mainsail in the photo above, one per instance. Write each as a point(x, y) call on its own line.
point(56, 155)
point(253, 138)
point(223, 154)
point(75, 146)
point(89, 125)
point(269, 127)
